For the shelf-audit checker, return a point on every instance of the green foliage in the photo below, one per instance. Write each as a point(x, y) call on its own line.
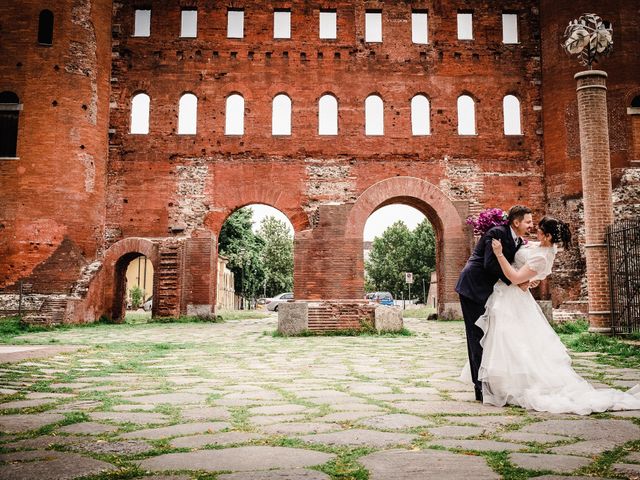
point(401, 250)
point(277, 256)
point(567, 328)
point(365, 332)
point(135, 294)
point(241, 315)
point(13, 326)
point(423, 312)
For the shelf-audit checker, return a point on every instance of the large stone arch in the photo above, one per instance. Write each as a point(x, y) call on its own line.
point(452, 238)
point(116, 260)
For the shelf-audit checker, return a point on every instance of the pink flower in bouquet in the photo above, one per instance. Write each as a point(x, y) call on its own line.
point(487, 219)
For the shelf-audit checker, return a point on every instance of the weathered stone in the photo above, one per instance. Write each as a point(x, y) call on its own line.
point(293, 318)
point(175, 430)
point(237, 459)
point(278, 409)
point(104, 447)
point(620, 430)
point(50, 465)
point(298, 474)
point(424, 464)
point(360, 437)
point(395, 421)
point(25, 403)
point(171, 398)
point(130, 417)
point(453, 431)
point(480, 445)
point(88, 428)
point(205, 413)
point(298, 428)
point(541, 461)
point(533, 437)
point(630, 469)
point(445, 406)
point(344, 416)
point(588, 448)
point(271, 419)
point(22, 423)
point(388, 319)
point(224, 438)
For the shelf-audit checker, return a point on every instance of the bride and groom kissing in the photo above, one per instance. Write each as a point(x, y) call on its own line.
point(515, 356)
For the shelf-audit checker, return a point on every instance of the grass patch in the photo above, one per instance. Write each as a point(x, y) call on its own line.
point(346, 333)
point(242, 315)
point(13, 326)
point(568, 328)
point(186, 319)
point(422, 312)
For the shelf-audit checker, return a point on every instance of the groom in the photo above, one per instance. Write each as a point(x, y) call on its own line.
point(480, 274)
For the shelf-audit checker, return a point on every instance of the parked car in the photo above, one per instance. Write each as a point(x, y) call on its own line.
point(262, 303)
point(275, 302)
point(383, 298)
point(146, 306)
point(369, 296)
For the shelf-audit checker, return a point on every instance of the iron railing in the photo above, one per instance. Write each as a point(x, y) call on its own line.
point(623, 243)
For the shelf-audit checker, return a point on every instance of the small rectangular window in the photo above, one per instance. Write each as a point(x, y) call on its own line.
point(373, 26)
point(282, 24)
point(235, 23)
point(189, 24)
point(142, 26)
point(419, 27)
point(328, 24)
point(509, 28)
point(465, 26)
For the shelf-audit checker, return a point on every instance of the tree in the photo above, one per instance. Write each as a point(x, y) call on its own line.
point(397, 251)
point(277, 255)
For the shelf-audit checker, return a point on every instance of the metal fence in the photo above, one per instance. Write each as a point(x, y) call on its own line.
point(623, 240)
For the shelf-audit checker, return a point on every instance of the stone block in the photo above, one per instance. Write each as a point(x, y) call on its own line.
point(293, 318)
point(547, 308)
point(388, 319)
point(200, 311)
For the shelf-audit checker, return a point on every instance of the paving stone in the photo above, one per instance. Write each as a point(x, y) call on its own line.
point(88, 428)
point(260, 395)
point(588, 448)
point(563, 477)
point(484, 420)
point(541, 461)
point(630, 469)
point(425, 464)
point(119, 447)
point(344, 417)
point(395, 421)
point(298, 428)
point(43, 442)
point(34, 395)
point(224, 438)
point(400, 397)
point(278, 410)
point(70, 385)
point(129, 407)
point(297, 474)
point(165, 477)
point(170, 398)
point(23, 423)
point(453, 431)
point(480, 445)
point(533, 437)
point(205, 413)
point(360, 437)
point(633, 457)
point(176, 430)
point(271, 419)
point(131, 417)
point(357, 407)
point(25, 403)
point(77, 405)
point(446, 406)
point(621, 430)
point(51, 465)
point(368, 388)
point(238, 459)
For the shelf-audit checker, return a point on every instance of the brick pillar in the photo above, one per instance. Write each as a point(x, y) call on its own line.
point(596, 187)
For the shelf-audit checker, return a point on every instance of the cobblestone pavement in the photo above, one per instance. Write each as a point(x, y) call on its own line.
point(230, 402)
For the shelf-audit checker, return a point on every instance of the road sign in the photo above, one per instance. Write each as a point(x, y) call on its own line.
point(408, 277)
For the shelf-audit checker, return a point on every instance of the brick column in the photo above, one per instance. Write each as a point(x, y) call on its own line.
point(596, 187)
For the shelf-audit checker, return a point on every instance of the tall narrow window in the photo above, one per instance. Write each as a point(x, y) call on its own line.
point(234, 115)
point(373, 26)
point(142, 27)
point(235, 23)
point(374, 115)
point(282, 24)
point(189, 23)
point(328, 115)
point(188, 114)
point(420, 113)
point(509, 28)
point(511, 114)
point(465, 26)
point(140, 114)
point(466, 115)
point(634, 112)
point(419, 27)
point(328, 24)
point(281, 115)
point(9, 111)
point(45, 28)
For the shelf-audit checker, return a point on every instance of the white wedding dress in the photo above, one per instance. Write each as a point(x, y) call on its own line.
point(524, 361)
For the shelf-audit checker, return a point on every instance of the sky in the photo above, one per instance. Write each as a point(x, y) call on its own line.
point(375, 226)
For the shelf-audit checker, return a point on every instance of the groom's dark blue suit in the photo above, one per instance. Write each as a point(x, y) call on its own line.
point(475, 285)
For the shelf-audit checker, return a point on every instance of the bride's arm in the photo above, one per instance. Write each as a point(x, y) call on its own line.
point(516, 276)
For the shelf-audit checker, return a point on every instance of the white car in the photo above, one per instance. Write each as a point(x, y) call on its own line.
point(272, 306)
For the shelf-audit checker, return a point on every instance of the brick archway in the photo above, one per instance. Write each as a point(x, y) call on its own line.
point(116, 260)
point(452, 241)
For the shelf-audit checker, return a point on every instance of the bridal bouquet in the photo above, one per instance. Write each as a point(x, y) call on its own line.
point(487, 219)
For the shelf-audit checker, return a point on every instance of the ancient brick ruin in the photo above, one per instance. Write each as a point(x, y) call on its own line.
point(83, 195)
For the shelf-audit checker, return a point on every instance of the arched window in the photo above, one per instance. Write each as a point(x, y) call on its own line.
point(234, 116)
point(511, 114)
point(45, 28)
point(281, 115)
point(374, 115)
point(420, 114)
point(466, 115)
point(188, 114)
point(328, 115)
point(140, 114)
point(9, 111)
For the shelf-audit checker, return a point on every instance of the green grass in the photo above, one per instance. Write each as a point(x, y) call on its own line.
point(242, 314)
point(346, 333)
point(422, 312)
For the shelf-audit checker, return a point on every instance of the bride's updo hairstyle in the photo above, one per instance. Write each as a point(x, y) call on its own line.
point(558, 230)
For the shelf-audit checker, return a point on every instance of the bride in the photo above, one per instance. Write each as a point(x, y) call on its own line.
point(524, 362)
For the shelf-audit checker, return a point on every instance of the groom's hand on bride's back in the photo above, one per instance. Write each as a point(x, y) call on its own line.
point(524, 286)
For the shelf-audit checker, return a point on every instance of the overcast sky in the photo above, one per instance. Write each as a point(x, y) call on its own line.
point(375, 226)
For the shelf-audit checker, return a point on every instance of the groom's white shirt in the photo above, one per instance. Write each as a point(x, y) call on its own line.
point(514, 236)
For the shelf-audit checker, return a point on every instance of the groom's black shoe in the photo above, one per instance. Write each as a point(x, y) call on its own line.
point(479, 395)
